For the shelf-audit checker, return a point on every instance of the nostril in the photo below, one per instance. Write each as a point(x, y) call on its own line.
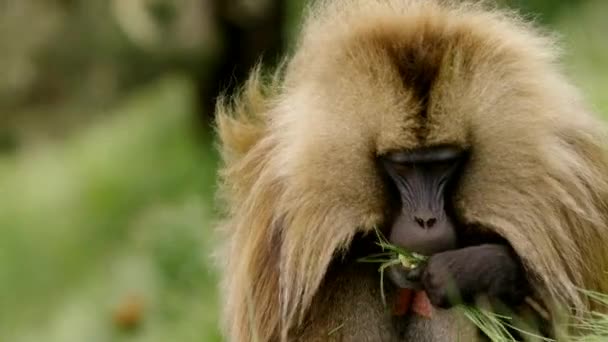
point(428, 223)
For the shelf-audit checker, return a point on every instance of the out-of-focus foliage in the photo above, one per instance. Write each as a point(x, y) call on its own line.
point(107, 187)
point(545, 10)
point(584, 34)
point(121, 209)
point(66, 60)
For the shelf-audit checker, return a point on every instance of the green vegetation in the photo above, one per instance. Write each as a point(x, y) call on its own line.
point(121, 209)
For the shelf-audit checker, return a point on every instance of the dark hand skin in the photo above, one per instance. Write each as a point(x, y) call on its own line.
point(490, 269)
point(455, 271)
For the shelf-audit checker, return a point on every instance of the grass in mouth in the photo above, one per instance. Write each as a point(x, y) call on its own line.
point(497, 327)
point(392, 255)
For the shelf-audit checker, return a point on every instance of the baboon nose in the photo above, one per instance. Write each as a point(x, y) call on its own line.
point(425, 222)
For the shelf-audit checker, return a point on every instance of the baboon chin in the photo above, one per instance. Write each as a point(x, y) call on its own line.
point(445, 125)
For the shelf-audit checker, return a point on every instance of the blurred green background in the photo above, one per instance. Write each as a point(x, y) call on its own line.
point(107, 164)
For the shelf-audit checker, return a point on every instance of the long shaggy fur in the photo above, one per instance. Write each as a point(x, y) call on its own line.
point(300, 179)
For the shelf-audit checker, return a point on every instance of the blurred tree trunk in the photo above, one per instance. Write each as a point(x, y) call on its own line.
point(251, 31)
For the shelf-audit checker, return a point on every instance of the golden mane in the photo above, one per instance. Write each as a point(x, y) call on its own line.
point(298, 179)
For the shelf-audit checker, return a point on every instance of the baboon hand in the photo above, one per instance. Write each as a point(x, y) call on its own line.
point(458, 276)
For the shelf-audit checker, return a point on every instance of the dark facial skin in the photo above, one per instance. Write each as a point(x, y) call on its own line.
point(422, 224)
point(421, 178)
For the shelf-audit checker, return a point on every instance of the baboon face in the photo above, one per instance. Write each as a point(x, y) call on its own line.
point(401, 110)
point(421, 179)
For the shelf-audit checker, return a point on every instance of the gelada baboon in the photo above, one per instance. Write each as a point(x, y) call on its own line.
point(446, 125)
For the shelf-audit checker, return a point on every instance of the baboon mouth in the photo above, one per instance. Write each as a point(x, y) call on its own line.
point(533, 308)
point(405, 278)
